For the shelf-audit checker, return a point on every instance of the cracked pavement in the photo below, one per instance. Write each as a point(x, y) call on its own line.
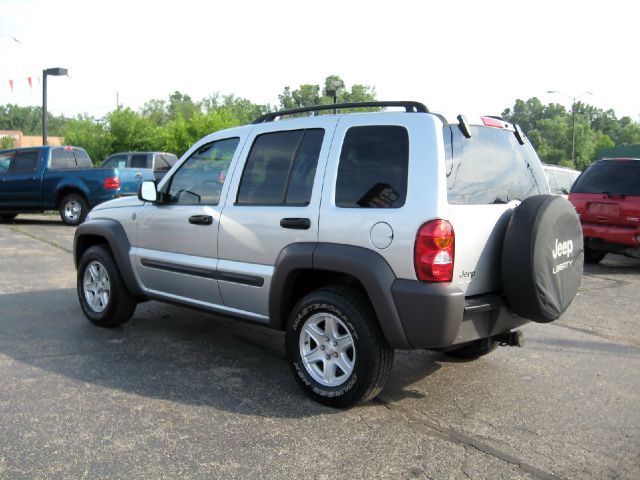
point(177, 393)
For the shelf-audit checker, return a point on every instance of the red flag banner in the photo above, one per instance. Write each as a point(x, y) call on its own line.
point(11, 84)
point(30, 83)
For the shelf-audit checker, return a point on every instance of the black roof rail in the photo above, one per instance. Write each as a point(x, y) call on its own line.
point(408, 106)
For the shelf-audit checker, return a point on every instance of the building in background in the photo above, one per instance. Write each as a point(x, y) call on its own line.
point(20, 140)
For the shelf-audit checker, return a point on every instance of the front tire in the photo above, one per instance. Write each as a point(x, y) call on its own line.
point(103, 296)
point(335, 347)
point(73, 209)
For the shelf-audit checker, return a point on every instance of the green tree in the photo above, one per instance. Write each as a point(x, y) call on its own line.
point(181, 133)
point(129, 130)
point(629, 133)
point(7, 142)
point(308, 95)
point(156, 112)
point(180, 104)
point(91, 135)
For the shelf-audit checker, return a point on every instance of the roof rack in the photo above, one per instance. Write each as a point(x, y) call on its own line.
point(408, 106)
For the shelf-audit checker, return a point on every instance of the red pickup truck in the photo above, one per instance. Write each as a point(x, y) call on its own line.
point(607, 199)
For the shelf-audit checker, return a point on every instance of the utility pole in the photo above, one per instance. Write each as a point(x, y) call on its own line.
point(573, 122)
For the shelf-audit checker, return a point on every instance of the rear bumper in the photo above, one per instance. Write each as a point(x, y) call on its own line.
point(438, 315)
point(611, 234)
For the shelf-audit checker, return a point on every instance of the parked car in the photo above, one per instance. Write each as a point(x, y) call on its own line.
point(607, 199)
point(356, 234)
point(130, 164)
point(56, 178)
point(560, 179)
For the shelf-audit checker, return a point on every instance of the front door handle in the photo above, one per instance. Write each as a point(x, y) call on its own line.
point(296, 223)
point(201, 219)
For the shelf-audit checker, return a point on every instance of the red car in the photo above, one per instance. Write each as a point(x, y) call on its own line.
point(607, 199)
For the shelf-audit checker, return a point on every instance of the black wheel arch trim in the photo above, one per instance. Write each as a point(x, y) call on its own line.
point(368, 267)
point(114, 235)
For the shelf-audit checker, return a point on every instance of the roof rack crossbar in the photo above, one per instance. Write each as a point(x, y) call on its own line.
point(408, 106)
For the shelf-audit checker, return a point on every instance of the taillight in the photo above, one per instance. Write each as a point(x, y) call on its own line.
point(434, 252)
point(112, 183)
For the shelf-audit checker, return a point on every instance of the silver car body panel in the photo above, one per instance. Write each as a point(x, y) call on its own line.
point(426, 192)
point(166, 240)
point(251, 237)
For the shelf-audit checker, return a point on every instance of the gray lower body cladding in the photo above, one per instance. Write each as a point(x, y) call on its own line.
point(438, 315)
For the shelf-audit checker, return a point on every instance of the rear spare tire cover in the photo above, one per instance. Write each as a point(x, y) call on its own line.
point(542, 258)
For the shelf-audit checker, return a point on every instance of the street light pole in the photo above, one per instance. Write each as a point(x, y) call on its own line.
point(573, 122)
point(48, 71)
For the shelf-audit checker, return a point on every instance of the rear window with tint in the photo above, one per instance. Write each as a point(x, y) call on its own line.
point(490, 167)
point(82, 158)
point(62, 158)
point(616, 178)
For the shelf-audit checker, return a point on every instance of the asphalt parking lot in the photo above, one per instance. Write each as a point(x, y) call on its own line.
point(176, 393)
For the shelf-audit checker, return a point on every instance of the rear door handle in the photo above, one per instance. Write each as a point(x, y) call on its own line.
point(296, 223)
point(201, 219)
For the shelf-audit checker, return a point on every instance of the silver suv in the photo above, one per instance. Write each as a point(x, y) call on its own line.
point(356, 233)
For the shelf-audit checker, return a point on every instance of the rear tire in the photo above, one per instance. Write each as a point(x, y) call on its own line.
point(336, 350)
point(474, 350)
point(73, 209)
point(593, 256)
point(103, 296)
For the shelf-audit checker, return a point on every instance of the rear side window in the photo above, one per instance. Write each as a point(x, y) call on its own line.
point(139, 160)
point(62, 158)
point(490, 167)
point(616, 178)
point(281, 168)
point(373, 168)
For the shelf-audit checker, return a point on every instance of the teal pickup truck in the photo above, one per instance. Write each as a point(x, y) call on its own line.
point(63, 178)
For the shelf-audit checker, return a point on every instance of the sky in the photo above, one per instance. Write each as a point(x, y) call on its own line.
point(462, 56)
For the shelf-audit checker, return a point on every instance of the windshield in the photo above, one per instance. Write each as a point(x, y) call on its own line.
point(612, 177)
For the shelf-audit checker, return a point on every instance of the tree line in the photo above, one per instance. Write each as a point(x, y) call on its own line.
point(174, 124)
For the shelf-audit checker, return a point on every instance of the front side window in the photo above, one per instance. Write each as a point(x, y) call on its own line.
point(280, 168)
point(5, 162)
point(116, 161)
point(200, 179)
point(373, 169)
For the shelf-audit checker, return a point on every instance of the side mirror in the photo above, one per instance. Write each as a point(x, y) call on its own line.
point(148, 191)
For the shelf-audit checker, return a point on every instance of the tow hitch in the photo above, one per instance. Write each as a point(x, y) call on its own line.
point(511, 339)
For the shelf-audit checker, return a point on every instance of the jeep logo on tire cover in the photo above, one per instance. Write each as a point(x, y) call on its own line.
point(562, 249)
